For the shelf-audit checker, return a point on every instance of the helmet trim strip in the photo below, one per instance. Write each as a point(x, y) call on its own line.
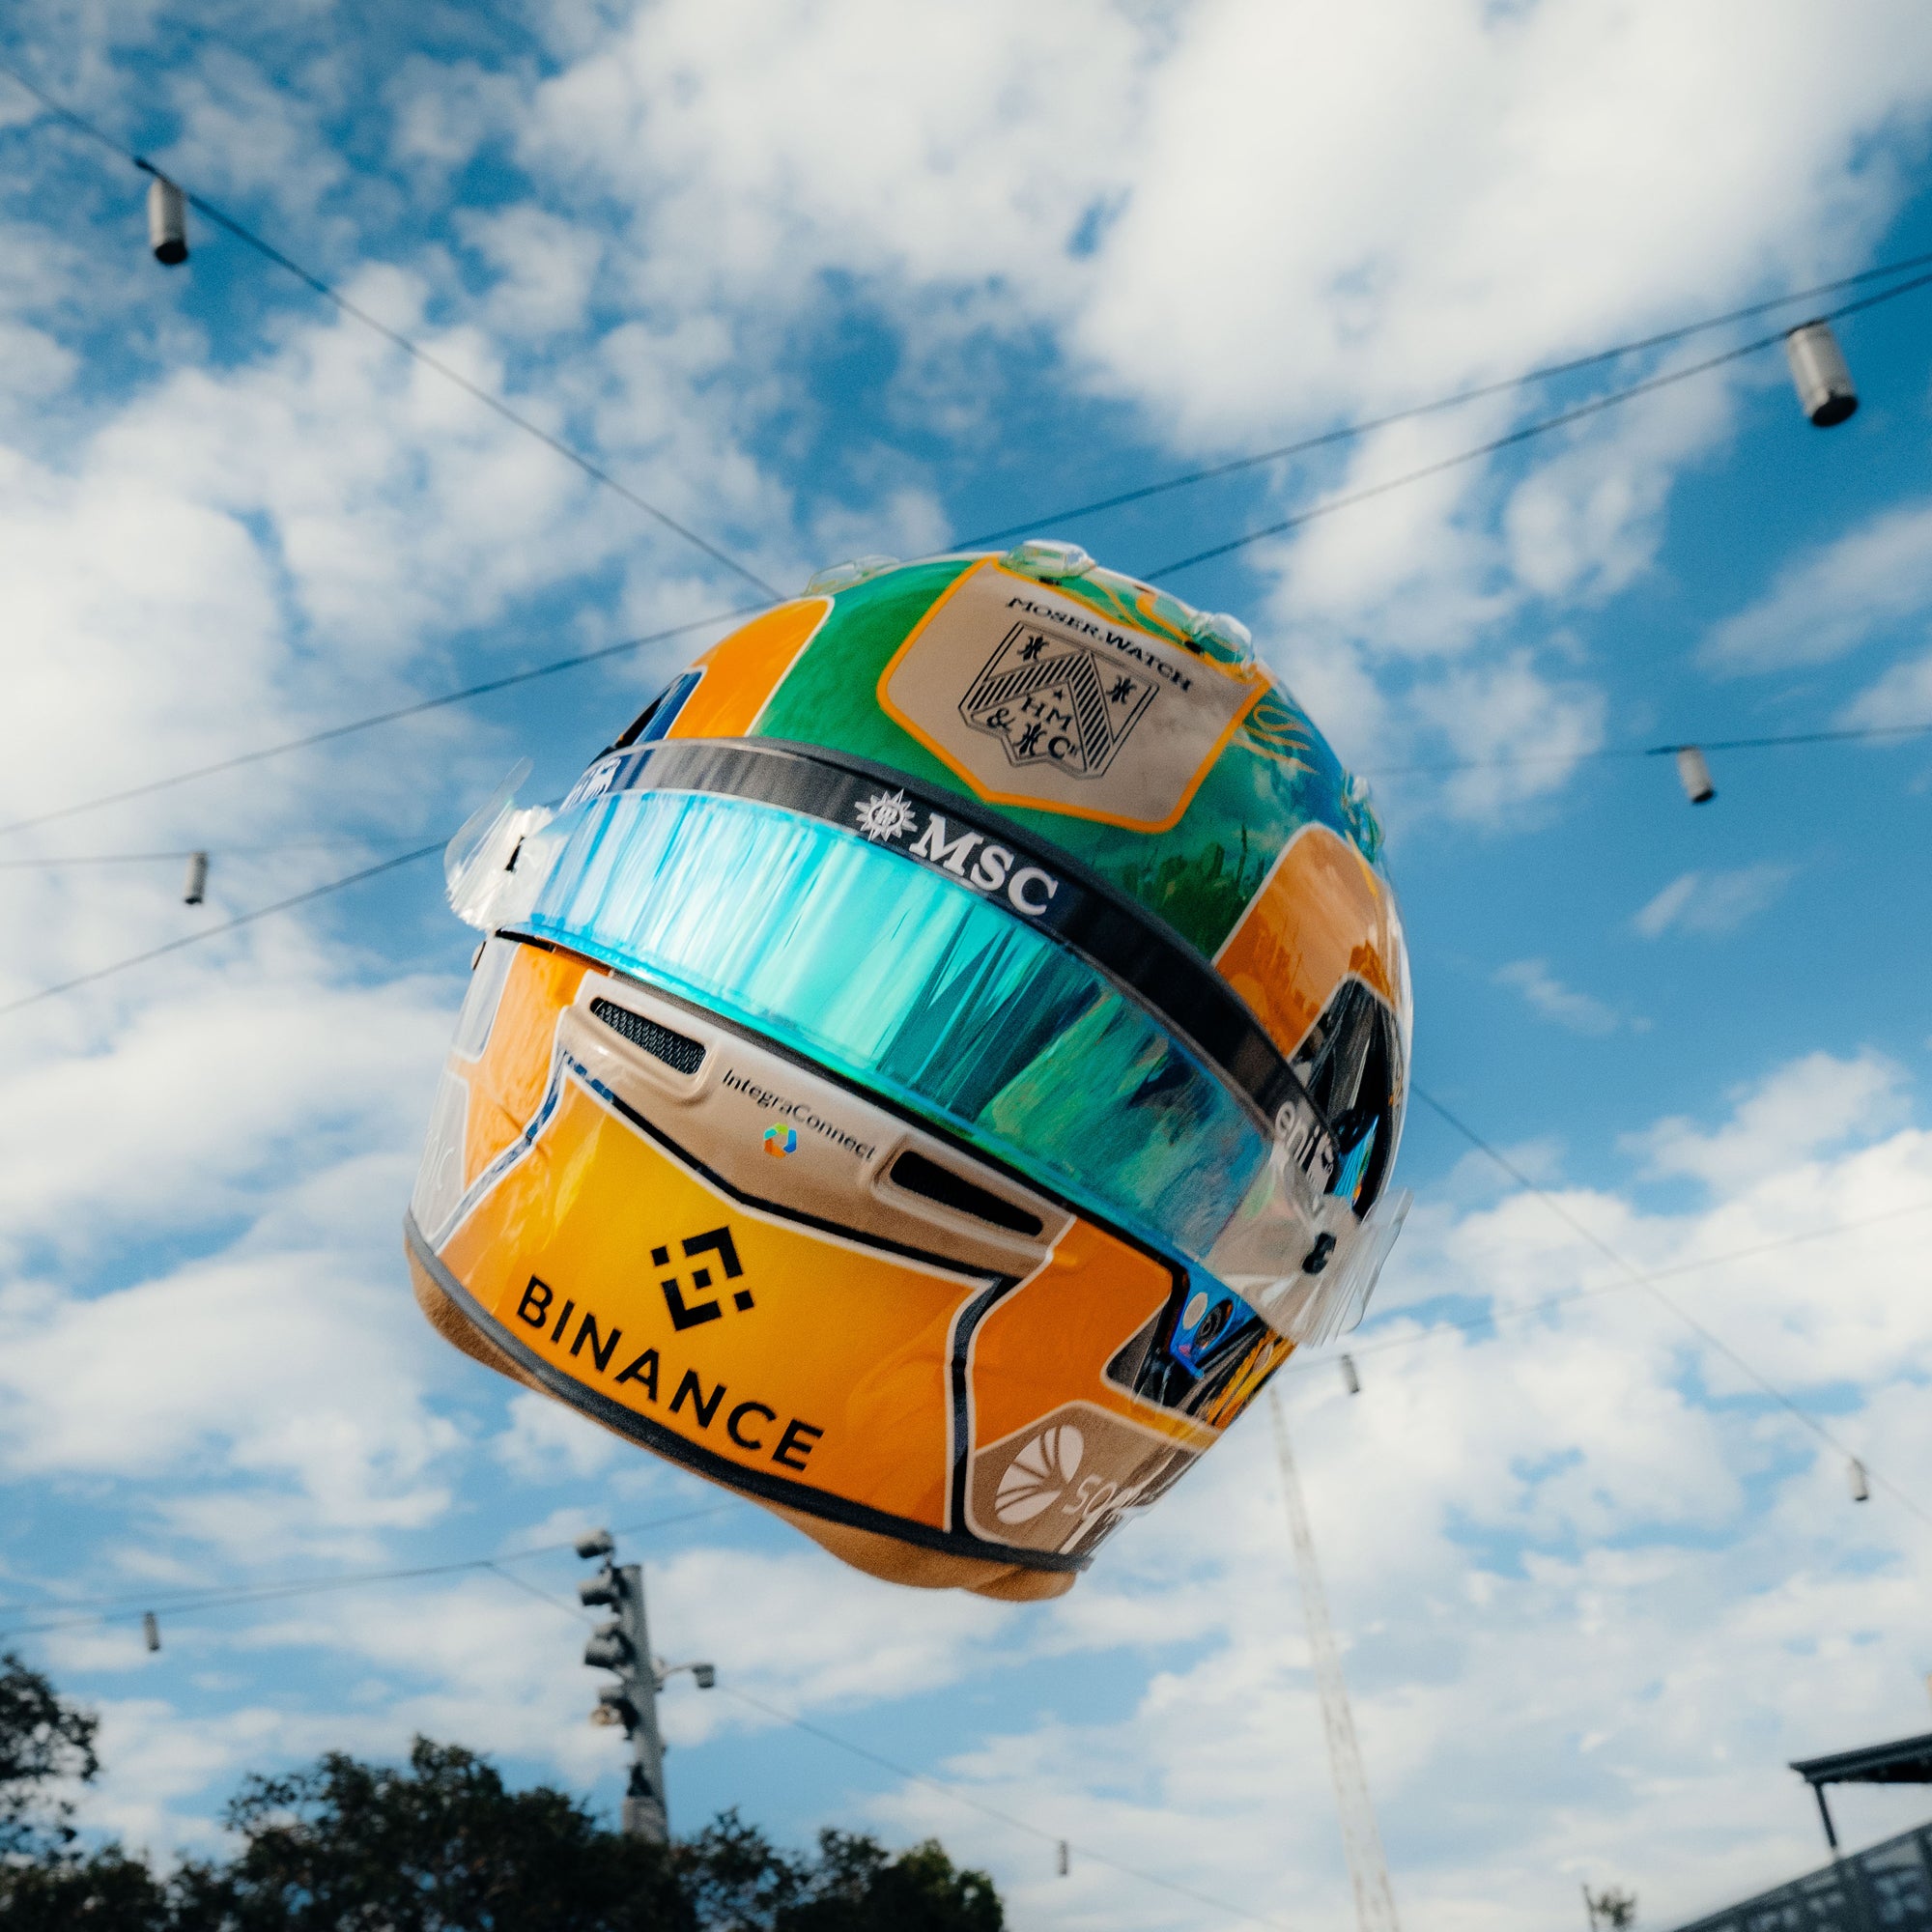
point(990, 855)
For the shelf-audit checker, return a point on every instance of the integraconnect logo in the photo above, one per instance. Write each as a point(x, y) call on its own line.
point(780, 1140)
point(1039, 1476)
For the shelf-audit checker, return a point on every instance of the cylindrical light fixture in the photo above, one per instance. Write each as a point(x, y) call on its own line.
point(1694, 775)
point(1818, 369)
point(167, 221)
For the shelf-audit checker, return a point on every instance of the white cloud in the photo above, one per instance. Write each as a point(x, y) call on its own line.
point(1548, 995)
point(276, 1367)
point(546, 1441)
point(1713, 903)
point(1813, 1104)
point(1562, 1579)
point(1829, 602)
point(1901, 697)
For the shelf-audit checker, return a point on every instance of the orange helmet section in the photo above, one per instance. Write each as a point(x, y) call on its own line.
point(1322, 916)
point(935, 1419)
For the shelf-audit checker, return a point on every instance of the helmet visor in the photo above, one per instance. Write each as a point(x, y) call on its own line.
point(909, 984)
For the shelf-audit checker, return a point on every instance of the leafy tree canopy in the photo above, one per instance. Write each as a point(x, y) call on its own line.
point(439, 1845)
point(45, 1744)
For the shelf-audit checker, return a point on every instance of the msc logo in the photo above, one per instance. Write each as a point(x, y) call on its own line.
point(690, 1313)
point(885, 817)
point(1049, 701)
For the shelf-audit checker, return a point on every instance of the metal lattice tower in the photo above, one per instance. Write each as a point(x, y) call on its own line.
point(1374, 1902)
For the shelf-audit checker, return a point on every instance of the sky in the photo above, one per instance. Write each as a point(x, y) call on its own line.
point(820, 280)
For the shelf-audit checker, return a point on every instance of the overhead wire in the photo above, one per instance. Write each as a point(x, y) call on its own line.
point(1847, 734)
point(59, 860)
point(180, 1606)
point(947, 1787)
point(226, 926)
point(183, 1603)
point(1494, 1316)
point(1524, 433)
point(357, 877)
point(1342, 432)
point(1638, 1277)
point(482, 689)
point(395, 337)
point(1503, 385)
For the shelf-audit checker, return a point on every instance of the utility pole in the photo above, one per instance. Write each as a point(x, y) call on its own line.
point(1374, 1902)
point(623, 1646)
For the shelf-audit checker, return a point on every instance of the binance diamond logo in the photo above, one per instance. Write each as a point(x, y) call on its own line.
point(1049, 701)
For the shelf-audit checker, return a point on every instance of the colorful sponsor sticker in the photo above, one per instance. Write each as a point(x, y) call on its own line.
point(1035, 700)
point(780, 1140)
point(887, 817)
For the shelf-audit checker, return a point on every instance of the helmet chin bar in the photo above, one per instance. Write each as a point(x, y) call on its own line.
point(1298, 1254)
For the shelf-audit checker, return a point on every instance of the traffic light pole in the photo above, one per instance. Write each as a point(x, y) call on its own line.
point(644, 1814)
point(623, 1647)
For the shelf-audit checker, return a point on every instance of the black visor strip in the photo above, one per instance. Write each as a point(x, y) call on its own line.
point(988, 855)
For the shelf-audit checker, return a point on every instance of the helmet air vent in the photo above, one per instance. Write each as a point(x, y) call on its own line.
point(678, 1051)
point(919, 1176)
point(1224, 638)
point(1048, 559)
point(837, 576)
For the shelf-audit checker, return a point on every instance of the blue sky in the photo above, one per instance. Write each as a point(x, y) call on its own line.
point(823, 280)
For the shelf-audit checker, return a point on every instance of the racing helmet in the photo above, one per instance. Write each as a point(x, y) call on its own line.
point(932, 1069)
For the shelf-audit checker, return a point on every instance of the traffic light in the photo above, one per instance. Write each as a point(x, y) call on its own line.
point(623, 1647)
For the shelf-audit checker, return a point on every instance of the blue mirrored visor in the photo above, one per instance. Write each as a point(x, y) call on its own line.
point(918, 988)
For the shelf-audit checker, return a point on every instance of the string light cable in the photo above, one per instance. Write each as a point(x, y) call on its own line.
point(1774, 741)
point(946, 1787)
point(105, 1610)
point(1468, 1324)
point(58, 861)
point(415, 709)
point(1528, 432)
point(206, 933)
point(354, 878)
point(1650, 1283)
point(176, 1607)
point(1367, 426)
point(1343, 433)
point(413, 349)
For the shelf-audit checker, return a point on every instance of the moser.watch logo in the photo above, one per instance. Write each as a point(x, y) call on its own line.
point(1033, 698)
point(1052, 701)
point(888, 817)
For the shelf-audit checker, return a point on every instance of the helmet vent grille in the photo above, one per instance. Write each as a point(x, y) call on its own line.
point(919, 1176)
point(675, 1050)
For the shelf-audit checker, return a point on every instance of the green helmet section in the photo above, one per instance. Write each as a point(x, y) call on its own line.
point(1270, 774)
